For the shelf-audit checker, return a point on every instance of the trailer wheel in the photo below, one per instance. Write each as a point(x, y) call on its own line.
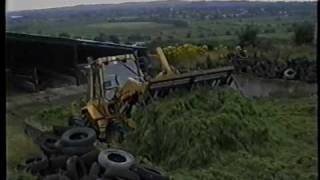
point(79, 136)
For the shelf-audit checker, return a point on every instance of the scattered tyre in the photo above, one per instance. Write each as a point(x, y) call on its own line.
point(289, 74)
point(149, 173)
point(90, 157)
point(117, 163)
point(58, 162)
point(94, 171)
point(75, 168)
point(116, 158)
point(36, 165)
point(47, 144)
point(79, 136)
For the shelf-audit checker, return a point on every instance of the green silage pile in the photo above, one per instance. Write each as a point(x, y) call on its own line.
point(222, 135)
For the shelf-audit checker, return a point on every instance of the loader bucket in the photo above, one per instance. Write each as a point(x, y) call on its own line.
point(213, 78)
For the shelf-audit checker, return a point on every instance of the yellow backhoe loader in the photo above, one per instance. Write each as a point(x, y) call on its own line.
point(115, 84)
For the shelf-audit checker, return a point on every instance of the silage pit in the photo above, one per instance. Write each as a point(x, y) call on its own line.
point(191, 129)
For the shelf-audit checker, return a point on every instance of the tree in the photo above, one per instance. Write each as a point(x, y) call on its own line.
point(303, 33)
point(248, 36)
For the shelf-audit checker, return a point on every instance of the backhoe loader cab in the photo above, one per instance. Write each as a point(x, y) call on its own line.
point(112, 83)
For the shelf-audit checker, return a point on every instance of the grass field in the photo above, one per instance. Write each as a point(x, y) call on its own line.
point(199, 31)
point(129, 27)
point(287, 127)
point(210, 135)
point(19, 146)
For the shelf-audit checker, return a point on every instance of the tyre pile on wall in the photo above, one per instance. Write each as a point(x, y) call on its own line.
point(295, 69)
point(73, 156)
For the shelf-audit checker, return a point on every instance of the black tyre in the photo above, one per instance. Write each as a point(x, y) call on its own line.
point(58, 162)
point(117, 163)
point(289, 74)
point(36, 165)
point(116, 158)
point(90, 157)
point(149, 173)
point(56, 177)
point(47, 144)
point(76, 150)
point(94, 171)
point(75, 168)
point(79, 136)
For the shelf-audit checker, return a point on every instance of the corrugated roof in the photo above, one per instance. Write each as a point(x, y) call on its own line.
point(66, 41)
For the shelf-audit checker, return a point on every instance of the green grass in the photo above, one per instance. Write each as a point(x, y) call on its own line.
point(129, 27)
point(201, 31)
point(221, 135)
point(19, 145)
point(208, 135)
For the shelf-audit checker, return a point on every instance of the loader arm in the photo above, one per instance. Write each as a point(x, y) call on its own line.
point(166, 69)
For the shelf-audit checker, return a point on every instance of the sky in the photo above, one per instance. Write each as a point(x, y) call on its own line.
point(16, 5)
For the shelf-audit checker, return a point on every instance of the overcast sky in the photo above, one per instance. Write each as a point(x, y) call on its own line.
point(15, 5)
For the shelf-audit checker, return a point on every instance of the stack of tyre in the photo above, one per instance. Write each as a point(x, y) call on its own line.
point(73, 156)
point(295, 69)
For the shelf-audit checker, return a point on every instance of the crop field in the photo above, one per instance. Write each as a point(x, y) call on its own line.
point(128, 27)
point(197, 31)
